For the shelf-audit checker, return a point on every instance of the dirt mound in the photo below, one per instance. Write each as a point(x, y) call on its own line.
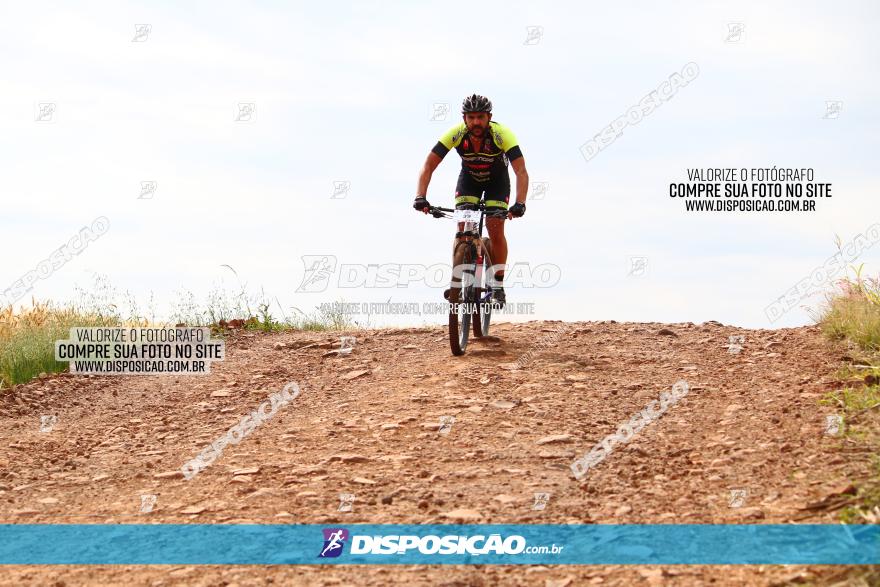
point(409, 434)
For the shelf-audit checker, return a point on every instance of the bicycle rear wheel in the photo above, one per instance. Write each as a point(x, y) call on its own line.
point(461, 299)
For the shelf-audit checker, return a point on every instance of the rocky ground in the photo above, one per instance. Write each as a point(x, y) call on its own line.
point(748, 444)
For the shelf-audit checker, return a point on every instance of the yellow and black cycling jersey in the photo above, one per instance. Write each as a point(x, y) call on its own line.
point(499, 146)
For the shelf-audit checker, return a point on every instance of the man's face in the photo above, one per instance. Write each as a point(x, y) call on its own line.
point(477, 122)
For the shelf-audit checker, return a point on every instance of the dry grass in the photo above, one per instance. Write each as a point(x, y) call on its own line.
point(853, 313)
point(27, 336)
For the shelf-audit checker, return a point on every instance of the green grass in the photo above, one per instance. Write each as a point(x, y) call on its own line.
point(27, 336)
point(852, 314)
point(867, 510)
point(27, 339)
point(257, 311)
point(320, 320)
point(854, 399)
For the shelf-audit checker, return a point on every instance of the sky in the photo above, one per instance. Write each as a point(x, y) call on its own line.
point(347, 94)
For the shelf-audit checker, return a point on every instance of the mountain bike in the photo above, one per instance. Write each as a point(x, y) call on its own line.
point(470, 293)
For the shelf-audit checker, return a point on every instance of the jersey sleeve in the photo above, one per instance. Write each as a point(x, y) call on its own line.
point(450, 139)
point(507, 141)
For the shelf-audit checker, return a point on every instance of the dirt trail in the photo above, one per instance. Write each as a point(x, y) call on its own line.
point(366, 423)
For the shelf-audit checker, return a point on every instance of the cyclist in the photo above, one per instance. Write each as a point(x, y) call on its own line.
point(485, 147)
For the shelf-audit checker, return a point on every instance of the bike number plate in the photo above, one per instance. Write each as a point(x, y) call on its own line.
point(467, 216)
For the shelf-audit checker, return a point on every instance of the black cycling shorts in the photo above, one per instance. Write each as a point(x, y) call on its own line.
point(495, 192)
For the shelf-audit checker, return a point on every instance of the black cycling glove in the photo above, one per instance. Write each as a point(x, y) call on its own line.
point(421, 204)
point(517, 209)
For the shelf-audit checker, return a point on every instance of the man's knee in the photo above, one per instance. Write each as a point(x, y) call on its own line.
point(495, 227)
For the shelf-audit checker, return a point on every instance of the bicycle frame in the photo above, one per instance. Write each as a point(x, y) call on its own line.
point(470, 302)
point(470, 231)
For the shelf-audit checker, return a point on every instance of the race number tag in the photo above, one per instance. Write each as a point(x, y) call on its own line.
point(467, 216)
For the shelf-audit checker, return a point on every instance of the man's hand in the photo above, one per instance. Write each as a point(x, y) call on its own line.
point(421, 204)
point(516, 211)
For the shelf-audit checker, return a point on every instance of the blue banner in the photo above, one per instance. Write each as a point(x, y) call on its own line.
point(703, 544)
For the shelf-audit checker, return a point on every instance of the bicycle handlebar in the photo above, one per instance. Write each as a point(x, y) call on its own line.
point(438, 212)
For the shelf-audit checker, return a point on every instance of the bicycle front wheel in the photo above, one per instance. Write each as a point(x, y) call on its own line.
point(462, 300)
point(483, 313)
